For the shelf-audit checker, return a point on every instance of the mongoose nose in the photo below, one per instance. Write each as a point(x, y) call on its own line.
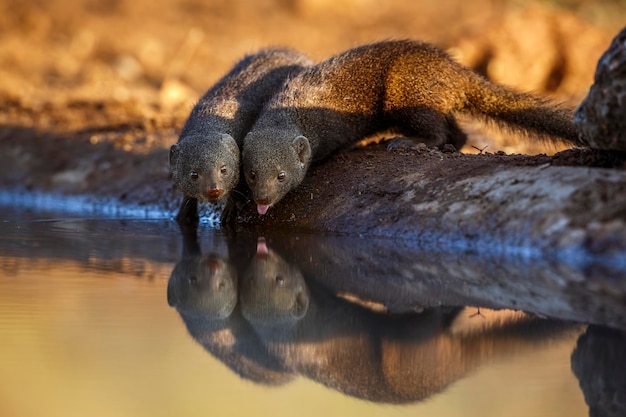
point(214, 192)
point(262, 205)
point(212, 263)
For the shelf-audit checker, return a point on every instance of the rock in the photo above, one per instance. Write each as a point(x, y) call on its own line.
point(601, 117)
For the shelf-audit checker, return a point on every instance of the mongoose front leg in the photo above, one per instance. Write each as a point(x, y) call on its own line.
point(188, 212)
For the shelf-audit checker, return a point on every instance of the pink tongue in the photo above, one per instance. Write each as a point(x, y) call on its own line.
point(262, 208)
point(261, 247)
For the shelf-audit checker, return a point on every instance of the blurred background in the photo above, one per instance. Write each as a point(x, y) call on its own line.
point(153, 59)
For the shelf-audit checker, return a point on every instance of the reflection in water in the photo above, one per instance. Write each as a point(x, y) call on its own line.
point(203, 288)
point(273, 291)
point(599, 364)
point(203, 285)
point(84, 325)
point(290, 320)
point(403, 278)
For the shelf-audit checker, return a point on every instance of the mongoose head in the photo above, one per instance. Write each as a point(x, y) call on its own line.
point(205, 166)
point(272, 290)
point(203, 285)
point(274, 163)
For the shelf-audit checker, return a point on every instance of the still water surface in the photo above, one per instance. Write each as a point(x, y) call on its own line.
point(113, 317)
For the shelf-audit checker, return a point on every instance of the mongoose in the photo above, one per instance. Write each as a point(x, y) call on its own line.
point(204, 291)
point(205, 160)
point(365, 354)
point(406, 87)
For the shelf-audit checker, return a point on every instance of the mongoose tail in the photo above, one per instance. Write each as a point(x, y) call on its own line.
point(406, 87)
point(534, 116)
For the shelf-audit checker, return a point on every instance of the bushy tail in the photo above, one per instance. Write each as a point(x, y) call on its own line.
point(525, 113)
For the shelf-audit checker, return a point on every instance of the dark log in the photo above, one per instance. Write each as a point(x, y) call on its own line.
point(513, 204)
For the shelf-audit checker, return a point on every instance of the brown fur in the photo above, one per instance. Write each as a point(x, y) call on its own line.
point(407, 87)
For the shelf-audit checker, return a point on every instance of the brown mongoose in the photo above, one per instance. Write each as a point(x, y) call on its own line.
point(407, 87)
point(205, 160)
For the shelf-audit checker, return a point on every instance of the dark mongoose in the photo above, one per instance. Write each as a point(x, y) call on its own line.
point(406, 87)
point(205, 161)
point(349, 347)
point(204, 290)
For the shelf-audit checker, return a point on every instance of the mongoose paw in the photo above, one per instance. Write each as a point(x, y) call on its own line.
point(188, 212)
point(405, 142)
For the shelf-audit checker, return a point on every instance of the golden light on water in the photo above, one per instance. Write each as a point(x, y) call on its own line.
point(82, 342)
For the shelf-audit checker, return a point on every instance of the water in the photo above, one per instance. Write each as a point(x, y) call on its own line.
point(106, 316)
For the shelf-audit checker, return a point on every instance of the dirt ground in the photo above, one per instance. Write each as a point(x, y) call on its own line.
point(93, 93)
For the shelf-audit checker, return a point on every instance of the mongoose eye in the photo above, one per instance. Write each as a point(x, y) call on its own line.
point(223, 169)
point(281, 176)
point(193, 175)
point(252, 175)
point(280, 281)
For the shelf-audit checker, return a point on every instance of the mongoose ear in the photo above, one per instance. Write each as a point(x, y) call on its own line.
point(230, 142)
point(301, 305)
point(174, 152)
point(303, 149)
point(172, 294)
point(226, 136)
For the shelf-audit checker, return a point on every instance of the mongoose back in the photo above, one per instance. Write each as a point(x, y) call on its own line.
point(205, 162)
point(407, 87)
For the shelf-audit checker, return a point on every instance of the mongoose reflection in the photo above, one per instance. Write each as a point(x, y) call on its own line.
point(205, 161)
point(377, 357)
point(405, 87)
point(204, 290)
point(202, 284)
